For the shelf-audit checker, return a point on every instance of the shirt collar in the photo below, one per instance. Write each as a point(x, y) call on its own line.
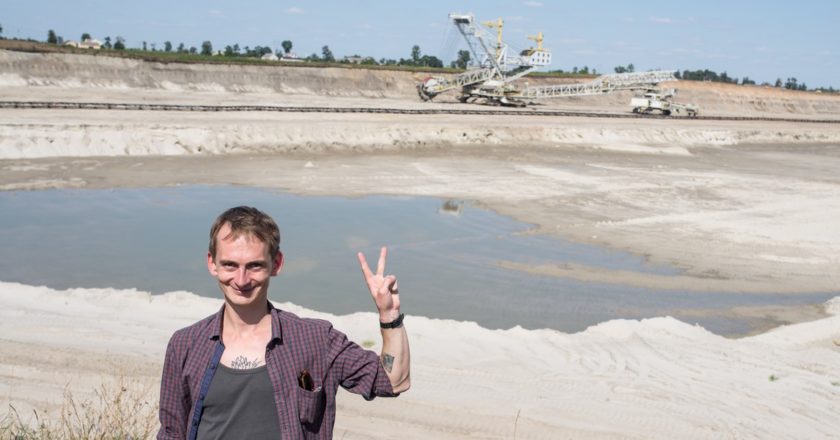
point(276, 327)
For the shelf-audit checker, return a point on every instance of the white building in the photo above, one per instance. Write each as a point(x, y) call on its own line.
point(89, 43)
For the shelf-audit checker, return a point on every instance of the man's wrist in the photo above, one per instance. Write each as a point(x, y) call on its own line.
point(388, 315)
point(396, 323)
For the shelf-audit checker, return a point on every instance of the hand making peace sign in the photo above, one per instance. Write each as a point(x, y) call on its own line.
point(383, 288)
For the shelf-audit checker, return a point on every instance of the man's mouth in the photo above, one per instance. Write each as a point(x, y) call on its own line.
point(244, 292)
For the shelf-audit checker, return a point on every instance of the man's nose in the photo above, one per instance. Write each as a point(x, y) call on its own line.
point(241, 276)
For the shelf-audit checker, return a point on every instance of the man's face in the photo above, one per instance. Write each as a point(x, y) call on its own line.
point(243, 267)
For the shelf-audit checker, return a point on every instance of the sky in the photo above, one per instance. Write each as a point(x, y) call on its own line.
point(762, 40)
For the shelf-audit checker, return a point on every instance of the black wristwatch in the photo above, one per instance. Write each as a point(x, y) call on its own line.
point(393, 324)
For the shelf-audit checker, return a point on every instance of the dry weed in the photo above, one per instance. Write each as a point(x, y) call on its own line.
point(116, 411)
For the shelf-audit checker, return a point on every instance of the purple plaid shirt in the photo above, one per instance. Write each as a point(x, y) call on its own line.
point(296, 344)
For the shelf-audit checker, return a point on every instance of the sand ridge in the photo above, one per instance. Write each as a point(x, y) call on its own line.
point(655, 378)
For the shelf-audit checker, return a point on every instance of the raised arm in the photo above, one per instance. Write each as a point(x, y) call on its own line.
point(395, 356)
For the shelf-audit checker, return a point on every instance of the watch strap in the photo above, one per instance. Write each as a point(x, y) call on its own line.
point(393, 324)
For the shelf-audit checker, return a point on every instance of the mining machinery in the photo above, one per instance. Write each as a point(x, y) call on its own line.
point(491, 80)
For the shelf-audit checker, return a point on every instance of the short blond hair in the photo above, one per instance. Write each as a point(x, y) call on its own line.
point(250, 221)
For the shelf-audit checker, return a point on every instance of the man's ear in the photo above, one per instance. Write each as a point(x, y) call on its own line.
point(278, 263)
point(211, 265)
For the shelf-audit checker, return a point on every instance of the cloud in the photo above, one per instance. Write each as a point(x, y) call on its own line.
point(660, 20)
point(532, 4)
point(584, 52)
point(515, 18)
point(294, 10)
point(216, 13)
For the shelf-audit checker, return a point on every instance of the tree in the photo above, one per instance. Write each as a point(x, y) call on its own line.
point(51, 38)
point(85, 36)
point(1, 29)
point(430, 61)
point(287, 46)
point(206, 48)
point(193, 50)
point(630, 68)
point(415, 54)
point(747, 81)
point(228, 51)
point(145, 46)
point(107, 44)
point(792, 84)
point(778, 82)
point(327, 55)
point(181, 48)
point(120, 44)
point(463, 59)
point(167, 46)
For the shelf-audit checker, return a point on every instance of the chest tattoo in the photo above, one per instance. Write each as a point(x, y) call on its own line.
point(242, 363)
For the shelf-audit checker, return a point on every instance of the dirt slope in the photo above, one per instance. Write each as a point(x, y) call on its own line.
point(102, 77)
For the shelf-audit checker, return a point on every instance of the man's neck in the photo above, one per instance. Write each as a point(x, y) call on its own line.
point(240, 319)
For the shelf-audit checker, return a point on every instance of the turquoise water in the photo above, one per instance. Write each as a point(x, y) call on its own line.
point(444, 253)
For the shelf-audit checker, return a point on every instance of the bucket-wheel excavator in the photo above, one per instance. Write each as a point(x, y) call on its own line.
point(491, 80)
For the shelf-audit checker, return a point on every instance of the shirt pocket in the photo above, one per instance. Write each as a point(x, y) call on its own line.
point(311, 406)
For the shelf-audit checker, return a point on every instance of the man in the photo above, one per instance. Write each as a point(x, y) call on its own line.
point(253, 371)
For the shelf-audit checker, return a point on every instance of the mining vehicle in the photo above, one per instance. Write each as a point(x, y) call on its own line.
point(497, 66)
point(654, 100)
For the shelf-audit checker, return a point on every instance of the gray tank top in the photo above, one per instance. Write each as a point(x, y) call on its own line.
point(239, 404)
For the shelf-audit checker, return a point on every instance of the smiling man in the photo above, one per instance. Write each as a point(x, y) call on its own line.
point(253, 371)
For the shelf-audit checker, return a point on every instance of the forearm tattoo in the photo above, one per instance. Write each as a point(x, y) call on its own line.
point(387, 362)
point(241, 363)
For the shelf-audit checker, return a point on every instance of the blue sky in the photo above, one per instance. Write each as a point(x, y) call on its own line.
point(764, 40)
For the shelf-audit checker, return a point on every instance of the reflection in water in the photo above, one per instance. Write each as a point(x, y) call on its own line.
point(156, 240)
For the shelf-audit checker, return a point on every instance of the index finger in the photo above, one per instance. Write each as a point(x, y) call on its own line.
point(365, 268)
point(380, 267)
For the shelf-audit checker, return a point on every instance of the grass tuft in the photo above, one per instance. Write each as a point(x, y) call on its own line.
point(116, 411)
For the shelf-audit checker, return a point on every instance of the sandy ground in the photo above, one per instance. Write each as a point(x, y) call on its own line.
point(656, 378)
point(736, 206)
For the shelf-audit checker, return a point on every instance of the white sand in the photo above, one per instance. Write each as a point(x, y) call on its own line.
point(656, 378)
